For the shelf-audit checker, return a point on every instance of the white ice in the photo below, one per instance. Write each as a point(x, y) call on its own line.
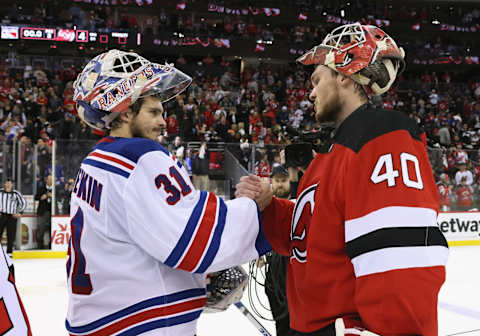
point(42, 286)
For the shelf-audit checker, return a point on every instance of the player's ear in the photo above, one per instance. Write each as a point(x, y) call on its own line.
point(126, 116)
point(345, 81)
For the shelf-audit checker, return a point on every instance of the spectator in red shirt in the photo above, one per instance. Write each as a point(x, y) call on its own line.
point(464, 196)
point(42, 99)
point(444, 191)
point(263, 168)
point(69, 105)
point(251, 28)
point(172, 126)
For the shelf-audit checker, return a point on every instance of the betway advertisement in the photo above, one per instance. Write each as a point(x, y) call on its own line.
point(460, 227)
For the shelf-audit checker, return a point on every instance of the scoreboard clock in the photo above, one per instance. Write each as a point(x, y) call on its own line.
point(69, 35)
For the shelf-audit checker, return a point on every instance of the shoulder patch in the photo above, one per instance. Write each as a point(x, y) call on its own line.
point(368, 123)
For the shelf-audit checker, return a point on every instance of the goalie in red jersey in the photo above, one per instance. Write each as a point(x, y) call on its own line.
point(365, 253)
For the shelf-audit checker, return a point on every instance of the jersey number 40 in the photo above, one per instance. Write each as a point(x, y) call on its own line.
point(391, 174)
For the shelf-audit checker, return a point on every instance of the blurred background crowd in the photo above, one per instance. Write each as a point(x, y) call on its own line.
point(248, 97)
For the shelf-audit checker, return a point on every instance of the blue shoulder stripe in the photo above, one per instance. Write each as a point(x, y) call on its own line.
point(130, 148)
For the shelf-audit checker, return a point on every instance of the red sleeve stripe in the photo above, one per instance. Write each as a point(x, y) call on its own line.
point(112, 159)
point(389, 217)
point(201, 237)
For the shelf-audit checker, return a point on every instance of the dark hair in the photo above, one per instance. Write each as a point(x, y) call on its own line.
point(135, 109)
point(358, 88)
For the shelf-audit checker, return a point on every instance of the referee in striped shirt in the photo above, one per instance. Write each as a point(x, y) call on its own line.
point(12, 205)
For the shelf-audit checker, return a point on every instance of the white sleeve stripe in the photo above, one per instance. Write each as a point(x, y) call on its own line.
point(393, 258)
point(389, 217)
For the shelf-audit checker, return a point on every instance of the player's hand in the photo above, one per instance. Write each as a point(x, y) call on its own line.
point(249, 186)
point(351, 327)
point(266, 194)
point(16, 215)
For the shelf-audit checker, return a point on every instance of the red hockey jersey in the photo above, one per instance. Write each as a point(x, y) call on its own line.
point(362, 236)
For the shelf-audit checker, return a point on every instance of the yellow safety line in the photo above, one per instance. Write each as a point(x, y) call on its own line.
point(33, 254)
point(464, 243)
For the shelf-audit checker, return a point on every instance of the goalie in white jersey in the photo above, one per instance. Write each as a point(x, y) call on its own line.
point(143, 238)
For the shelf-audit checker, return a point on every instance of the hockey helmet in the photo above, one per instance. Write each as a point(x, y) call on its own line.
point(364, 53)
point(114, 80)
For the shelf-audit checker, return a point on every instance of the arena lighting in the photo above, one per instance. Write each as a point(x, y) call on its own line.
point(342, 13)
point(435, 22)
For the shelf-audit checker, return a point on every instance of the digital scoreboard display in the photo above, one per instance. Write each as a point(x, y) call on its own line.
point(67, 35)
point(38, 33)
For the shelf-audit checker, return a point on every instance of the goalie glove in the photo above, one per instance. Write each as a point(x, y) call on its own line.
point(351, 327)
point(224, 288)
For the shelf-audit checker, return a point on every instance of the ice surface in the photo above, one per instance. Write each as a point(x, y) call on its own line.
point(42, 286)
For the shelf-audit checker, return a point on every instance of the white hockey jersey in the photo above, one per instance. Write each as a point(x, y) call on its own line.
point(13, 319)
point(143, 239)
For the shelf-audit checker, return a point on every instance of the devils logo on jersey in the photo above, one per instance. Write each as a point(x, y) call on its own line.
point(302, 215)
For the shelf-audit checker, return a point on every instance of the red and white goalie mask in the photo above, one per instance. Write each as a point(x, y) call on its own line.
point(362, 52)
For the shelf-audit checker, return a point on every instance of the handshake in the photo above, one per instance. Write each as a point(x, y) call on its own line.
point(256, 188)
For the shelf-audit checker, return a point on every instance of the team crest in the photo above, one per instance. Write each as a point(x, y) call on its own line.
point(302, 216)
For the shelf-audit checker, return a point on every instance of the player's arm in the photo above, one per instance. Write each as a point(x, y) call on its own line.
point(185, 228)
point(397, 251)
point(276, 219)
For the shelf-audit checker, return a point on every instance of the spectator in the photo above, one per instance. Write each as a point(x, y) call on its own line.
point(444, 135)
point(44, 212)
point(463, 173)
point(461, 156)
point(263, 168)
point(64, 196)
point(172, 126)
point(464, 195)
point(444, 191)
point(200, 168)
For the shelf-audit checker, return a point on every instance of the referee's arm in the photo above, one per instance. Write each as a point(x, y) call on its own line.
point(21, 203)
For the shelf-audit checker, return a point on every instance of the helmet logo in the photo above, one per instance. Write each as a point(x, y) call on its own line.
point(123, 89)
